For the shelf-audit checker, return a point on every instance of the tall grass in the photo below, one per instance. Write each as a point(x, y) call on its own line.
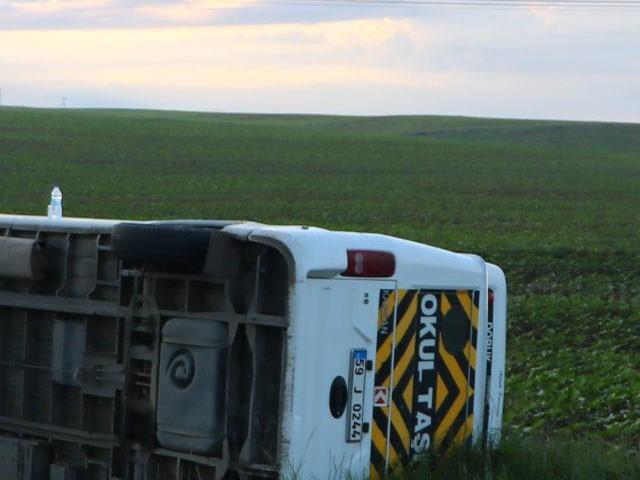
point(535, 459)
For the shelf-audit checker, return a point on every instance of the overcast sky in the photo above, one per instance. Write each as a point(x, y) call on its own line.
point(252, 56)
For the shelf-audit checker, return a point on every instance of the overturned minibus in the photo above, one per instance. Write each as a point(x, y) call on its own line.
point(237, 350)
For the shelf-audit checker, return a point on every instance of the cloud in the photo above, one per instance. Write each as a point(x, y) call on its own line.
point(51, 6)
point(260, 56)
point(111, 14)
point(188, 11)
point(548, 14)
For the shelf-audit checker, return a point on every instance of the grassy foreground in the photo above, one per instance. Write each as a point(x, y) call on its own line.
point(556, 204)
point(536, 459)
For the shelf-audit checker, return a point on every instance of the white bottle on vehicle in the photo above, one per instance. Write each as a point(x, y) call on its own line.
point(55, 207)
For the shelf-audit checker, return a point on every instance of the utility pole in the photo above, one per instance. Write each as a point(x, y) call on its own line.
point(64, 102)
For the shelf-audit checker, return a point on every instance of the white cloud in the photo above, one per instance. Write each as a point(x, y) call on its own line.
point(112, 14)
point(188, 11)
point(547, 14)
point(51, 6)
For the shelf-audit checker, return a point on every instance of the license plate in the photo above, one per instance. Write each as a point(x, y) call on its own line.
point(355, 411)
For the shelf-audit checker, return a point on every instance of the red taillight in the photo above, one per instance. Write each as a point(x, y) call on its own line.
point(369, 263)
point(491, 297)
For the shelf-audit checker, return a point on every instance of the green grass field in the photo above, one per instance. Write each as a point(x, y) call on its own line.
point(556, 204)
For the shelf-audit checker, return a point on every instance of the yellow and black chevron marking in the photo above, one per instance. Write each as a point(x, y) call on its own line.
point(455, 371)
point(401, 431)
point(380, 423)
point(450, 378)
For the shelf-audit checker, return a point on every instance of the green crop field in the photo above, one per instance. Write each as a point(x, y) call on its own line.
point(556, 204)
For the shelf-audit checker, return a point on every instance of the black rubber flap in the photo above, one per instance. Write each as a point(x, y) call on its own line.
point(169, 244)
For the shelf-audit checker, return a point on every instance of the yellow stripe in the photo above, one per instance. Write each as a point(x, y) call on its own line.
point(445, 306)
point(379, 439)
point(407, 318)
point(384, 350)
point(408, 394)
point(404, 362)
point(465, 301)
point(401, 427)
point(441, 392)
point(384, 353)
point(453, 367)
point(401, 294)
point(471, 354)
point(399, 370)
point(373, 473)
point(459, 402)
point(474, 315)
point(394, 459)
